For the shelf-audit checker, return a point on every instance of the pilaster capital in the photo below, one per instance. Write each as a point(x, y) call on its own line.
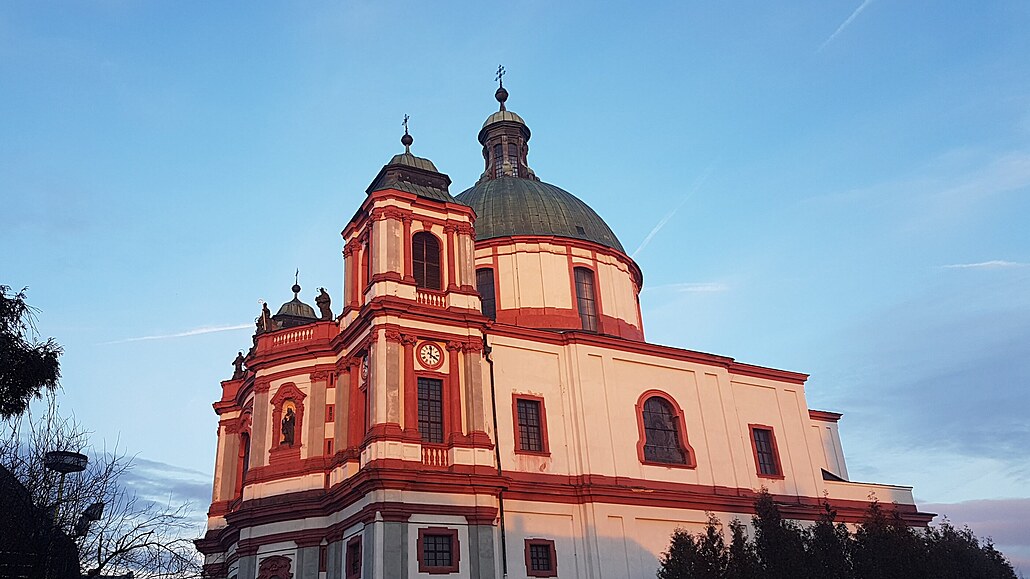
point(319, 376)
point(408, 340)
point(262, 386)
point(394, 336)
point(454, 346)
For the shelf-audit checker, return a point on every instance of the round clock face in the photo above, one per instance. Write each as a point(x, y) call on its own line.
point(430, 355)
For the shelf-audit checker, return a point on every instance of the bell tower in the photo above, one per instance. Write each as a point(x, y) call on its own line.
point(412, 321)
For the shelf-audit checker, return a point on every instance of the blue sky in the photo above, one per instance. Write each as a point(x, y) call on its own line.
point(834, 187)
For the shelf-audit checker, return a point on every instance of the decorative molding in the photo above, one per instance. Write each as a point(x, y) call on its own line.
point(394, 336)
point(275, 566)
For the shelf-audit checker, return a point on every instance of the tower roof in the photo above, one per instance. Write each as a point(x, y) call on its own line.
point(509, 199)
point(295, 312)
point(412, 174)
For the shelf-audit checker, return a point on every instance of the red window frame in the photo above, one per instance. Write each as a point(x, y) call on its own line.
point(681, 427)
point(544, 447)
point(775, 451)
point(455, 550)
point(553, 571)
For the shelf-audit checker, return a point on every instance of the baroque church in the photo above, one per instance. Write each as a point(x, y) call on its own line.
point(486, 404)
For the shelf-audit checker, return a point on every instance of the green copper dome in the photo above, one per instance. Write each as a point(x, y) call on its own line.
point(509, 206)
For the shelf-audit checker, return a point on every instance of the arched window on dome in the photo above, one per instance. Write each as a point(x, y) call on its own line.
point(586, 300)
point(662, 433)
point(425, 260)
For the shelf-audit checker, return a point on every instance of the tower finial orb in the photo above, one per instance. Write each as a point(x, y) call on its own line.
point(406, 140)
point(296, 283)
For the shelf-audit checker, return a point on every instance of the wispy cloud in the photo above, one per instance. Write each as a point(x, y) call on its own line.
point(845, 24)
point(658, 227)
point(183, 334)
point(689, 287)
point(993, 264)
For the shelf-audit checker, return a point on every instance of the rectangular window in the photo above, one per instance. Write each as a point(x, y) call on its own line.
point(323, 558)
point(531, 436)
point(541, 558)
point(430, 410)
point(437, 550)
point(585, 298)
point(328, 446)
point(766, 455)
point(353, 559)
point(487, 295)
point(330, 411)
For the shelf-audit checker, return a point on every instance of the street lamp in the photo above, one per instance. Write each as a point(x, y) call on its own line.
point(64, 462)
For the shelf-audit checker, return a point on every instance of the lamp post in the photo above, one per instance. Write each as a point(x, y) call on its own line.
point(64, 462)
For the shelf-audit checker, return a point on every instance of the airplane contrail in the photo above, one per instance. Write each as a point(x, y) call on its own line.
point(845, 24)
point(193, 332)
point(664, 220)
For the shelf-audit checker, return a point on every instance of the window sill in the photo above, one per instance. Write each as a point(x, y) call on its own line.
point(669, 464)
point(771, 476)
point(542, 453)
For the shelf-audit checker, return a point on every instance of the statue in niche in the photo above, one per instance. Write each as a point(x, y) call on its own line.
point(238, 366)
point(322, 301)
point(289, 424)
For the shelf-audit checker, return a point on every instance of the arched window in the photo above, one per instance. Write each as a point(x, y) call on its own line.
point(586, 299)
point(513, 158)
point(662, 433)
point(498, 161)
point(425, 260)
point(245, 451)
point(487, 295)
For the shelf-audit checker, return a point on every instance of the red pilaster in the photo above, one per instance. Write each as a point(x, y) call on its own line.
point(406, 250)
point(450, 230)
point(410, 388)
point(356, 420)
point(454, 353)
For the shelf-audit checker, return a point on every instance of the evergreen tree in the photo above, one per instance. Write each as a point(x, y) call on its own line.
point(780, 542)
point(829, 546)
point(27, 368)
point(742, 562)
point(701, 556)
point(957, 554)
point(887, 548)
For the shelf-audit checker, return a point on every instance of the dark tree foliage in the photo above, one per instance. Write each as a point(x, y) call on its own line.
point(829, 546)
point(957, 553)
point(27, 368)
point(780, 542)
point(743, 560)
point(886, 547)
point(882, 547)
point(703, 556)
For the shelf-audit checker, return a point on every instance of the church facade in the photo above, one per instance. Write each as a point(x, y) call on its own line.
point(486, 404)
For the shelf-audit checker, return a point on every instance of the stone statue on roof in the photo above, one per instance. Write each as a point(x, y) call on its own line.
point(323, 302)
point(238, 366)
